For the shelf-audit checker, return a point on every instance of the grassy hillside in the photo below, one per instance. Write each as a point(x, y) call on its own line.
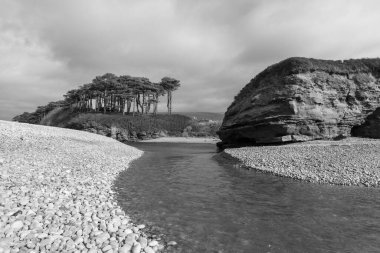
point(192, 124)
point(215, 116)
point(64, 117)
point(59, 117)
point(172, 124)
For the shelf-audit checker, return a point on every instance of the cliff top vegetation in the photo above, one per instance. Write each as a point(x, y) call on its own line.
point(296, 65)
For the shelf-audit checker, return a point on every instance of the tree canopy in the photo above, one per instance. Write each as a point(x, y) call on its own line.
point(169, 85)
point(110, 93)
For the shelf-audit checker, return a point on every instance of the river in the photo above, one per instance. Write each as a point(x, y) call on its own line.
point(206, 203)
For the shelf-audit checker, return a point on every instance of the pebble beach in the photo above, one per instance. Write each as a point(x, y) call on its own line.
point(56, 193)
point(351, 161)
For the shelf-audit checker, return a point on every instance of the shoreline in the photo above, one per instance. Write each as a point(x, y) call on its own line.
point(56, 192)
point(210, 140)
point(350, 162)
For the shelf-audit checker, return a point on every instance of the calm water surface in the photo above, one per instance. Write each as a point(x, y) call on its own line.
point(206, 204)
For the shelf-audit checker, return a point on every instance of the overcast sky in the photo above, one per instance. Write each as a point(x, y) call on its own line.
point(214, 47)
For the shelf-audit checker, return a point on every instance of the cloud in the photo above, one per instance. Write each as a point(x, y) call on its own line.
point(214, 47)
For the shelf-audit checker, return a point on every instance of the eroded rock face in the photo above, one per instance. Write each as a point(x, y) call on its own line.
point(303, 99)
point(371, 126)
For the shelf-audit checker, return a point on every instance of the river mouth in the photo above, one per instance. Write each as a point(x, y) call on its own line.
point(206, 203)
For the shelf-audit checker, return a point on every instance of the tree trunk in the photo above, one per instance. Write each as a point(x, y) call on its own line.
point(155, 104)
point(143, 103)
point(112, 103)
point(129, 103)
point(169, 104)
point(139, 104)
point(123, 105)
point(134, 104)
point(109, 103)
point(149, 104)
point(98, 103)
point(104, 101)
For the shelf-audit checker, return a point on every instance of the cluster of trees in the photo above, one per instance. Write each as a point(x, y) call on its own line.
point(124, 94)
point(111, 93)
point(41, 111)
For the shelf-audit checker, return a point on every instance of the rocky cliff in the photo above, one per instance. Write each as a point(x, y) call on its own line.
point(370, 128)
point(302, 99)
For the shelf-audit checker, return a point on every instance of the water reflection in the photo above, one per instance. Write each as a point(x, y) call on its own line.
point(206, 204)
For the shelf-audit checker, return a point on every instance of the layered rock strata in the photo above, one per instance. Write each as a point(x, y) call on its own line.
point(303, 99)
